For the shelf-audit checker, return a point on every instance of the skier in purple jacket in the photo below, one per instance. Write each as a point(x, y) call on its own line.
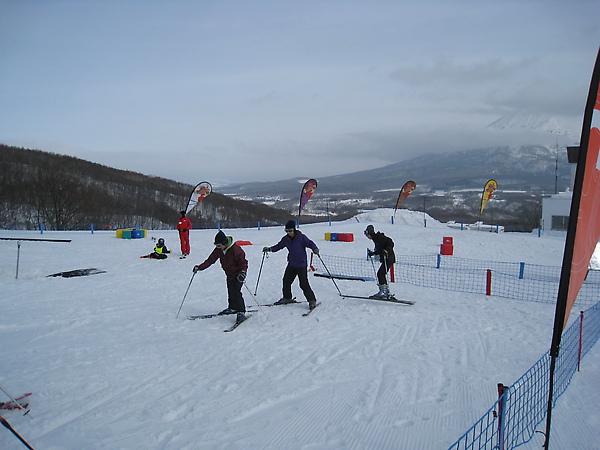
point(296, 243)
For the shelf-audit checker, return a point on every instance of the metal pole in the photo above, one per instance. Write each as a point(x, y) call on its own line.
point(18, 257)
point(259, 272)
point(185, 295)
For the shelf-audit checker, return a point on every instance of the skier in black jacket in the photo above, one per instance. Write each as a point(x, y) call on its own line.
point(384, 247)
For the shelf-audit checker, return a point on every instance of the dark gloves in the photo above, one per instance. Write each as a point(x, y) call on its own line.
point(266, 249)
point(370, 253)
point(316, 251)
point(241, 277)
point(196, 269)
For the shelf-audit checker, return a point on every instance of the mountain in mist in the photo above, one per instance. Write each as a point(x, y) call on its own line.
point(531, 119)
point(449, 185)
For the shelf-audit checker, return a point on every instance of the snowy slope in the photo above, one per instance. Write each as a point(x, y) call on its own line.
point(110, 367)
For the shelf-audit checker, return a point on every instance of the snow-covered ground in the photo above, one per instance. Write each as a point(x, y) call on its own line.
point(110, 366)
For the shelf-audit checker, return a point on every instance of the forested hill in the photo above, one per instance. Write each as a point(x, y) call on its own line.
point(64, 192)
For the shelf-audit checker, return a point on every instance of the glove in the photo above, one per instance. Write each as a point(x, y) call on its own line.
point(196, 269)
point(241, 277)
point(266, 249)
point(316, 251)
point(370, 253)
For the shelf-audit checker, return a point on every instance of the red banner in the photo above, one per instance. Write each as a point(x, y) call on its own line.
point(406, 190)
point(587, 228)
point(583, 231)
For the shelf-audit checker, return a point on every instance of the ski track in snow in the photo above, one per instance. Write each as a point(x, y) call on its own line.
point(110, 367)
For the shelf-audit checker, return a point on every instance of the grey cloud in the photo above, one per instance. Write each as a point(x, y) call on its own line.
point(464, 73)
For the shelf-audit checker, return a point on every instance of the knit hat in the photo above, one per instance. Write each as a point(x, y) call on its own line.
point(220, 238)
point(370, 231)
point(290, 225)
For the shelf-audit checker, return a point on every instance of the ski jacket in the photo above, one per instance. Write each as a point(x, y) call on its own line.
point(384, 247)
point(296, 247)
point(233, 259)
point(184, 225)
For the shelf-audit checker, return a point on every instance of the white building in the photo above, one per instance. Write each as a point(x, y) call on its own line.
point(557, 208)
point(555, 211)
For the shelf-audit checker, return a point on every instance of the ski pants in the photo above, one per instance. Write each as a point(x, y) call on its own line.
point(184, 239)
point(382, 272)
point(234, 295)
point(288, 278)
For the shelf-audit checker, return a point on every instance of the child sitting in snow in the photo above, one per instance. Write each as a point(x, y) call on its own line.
point(160, 251)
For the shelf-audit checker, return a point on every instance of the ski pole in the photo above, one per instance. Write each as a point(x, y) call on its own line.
point(373, 264)
point(13, 431)
point(257, 304)
point(330, 276)
point(15, 401)
point(259, 272)
point(185, 295)
point(18, 255)
point(375, 271)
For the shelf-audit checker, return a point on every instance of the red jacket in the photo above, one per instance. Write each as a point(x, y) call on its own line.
point(233, 260)
point(184, 225)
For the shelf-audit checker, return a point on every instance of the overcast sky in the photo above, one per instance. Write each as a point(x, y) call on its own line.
point(244, 90)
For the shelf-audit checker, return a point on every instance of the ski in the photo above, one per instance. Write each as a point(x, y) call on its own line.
point(311, 310)
point(16, 404)
point(209, 316)
point(283, 304)
point(237, 323)
point(390, 299)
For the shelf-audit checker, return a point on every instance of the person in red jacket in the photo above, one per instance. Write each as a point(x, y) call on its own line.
point(184, 226)
point(234, 264)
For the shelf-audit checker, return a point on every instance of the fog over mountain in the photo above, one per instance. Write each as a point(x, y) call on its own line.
point(532, 119)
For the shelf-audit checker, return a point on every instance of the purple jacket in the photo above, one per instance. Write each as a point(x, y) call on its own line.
point(296, 247)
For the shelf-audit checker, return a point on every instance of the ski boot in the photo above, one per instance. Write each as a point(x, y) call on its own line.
point(227, 311)
point(284, 301)
point(312, 304)
point(384, 291)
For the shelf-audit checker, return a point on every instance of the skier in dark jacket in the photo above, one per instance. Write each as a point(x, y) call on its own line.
point(384, 248)
point(296, 243)
point(234, 264)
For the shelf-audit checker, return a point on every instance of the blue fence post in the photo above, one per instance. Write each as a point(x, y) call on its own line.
point(539, 231)
point(425, 223)
point(330, 221)
point(439, 261)
point(392, 220)
point(259, 225)
point(461, 226)
point(357, 219)
point(521, 270)
point(92, 227)
point(219, 226)
point(42, 228)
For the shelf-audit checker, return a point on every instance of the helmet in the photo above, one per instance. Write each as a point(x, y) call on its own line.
point(161, 241)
